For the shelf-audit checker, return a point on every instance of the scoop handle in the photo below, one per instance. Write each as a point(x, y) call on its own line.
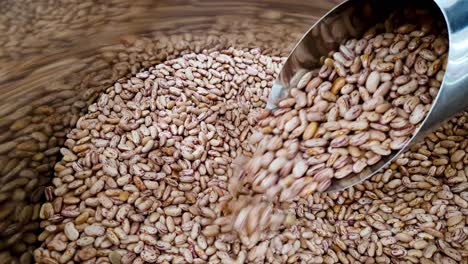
point(453, 95)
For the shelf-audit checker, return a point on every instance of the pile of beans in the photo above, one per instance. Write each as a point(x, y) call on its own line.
point(150, 172)
point(130, 190)
point(152, 157)
point(38, 111)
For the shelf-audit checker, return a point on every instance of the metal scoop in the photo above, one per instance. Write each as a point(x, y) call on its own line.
point(350, 20)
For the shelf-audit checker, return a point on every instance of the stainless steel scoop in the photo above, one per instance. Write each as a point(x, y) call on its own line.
point(351, 19)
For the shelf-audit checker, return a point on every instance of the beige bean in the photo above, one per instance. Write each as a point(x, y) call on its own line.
point(418, 114)
point(408, 88)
